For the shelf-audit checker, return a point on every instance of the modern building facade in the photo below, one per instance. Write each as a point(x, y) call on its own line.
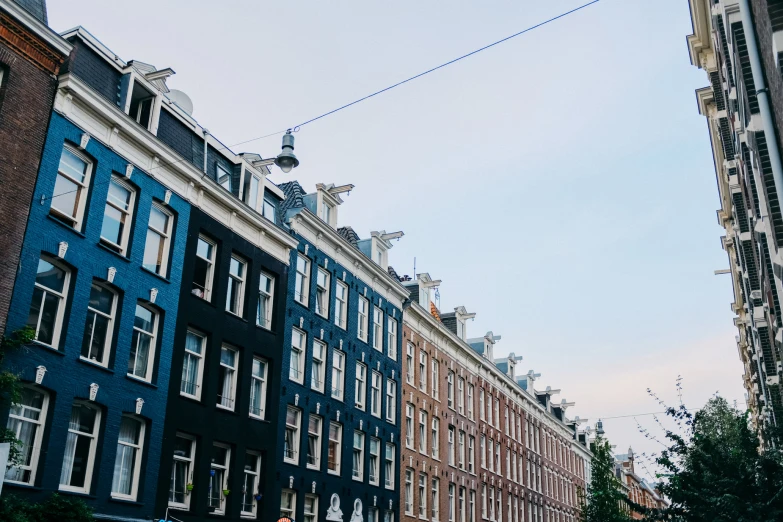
point(479, 443)
point(738, 44)
point(339, 414)
point(31, 55)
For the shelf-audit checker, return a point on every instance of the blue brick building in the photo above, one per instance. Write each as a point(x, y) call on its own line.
point(340, 399)
point(98, 285)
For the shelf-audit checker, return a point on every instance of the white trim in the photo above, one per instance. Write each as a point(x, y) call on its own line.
point(41, 426)
point(36, 26)
point(94, 436)
point(137, 460)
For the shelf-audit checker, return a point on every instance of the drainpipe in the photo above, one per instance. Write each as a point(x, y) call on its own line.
point(206, 135)
point(762, 94)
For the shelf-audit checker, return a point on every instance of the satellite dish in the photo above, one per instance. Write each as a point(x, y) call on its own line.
point(182, 100)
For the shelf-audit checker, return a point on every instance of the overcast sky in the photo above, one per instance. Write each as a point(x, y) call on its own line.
point(560, 184)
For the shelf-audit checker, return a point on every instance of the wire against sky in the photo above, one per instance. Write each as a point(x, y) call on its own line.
point(441, 66)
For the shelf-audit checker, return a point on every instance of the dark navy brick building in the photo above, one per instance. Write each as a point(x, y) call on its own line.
point(338, 459)
point(98, 285)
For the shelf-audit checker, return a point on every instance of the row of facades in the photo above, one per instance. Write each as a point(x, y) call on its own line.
point(212, 345)
point(739, 44)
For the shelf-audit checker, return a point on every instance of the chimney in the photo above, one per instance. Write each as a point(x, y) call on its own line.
point(599, 428)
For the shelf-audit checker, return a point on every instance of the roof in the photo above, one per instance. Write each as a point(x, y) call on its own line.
point(350, 235)
point(434, 311)
point(391, 270)
point(37, 8)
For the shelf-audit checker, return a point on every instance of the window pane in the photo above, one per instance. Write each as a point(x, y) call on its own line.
point(67, 193)
point(119, 195)
point(50, 276)
point(144, 319)
point(113, 223)
point(158, 219)
point(153, 251)
point(72, 165)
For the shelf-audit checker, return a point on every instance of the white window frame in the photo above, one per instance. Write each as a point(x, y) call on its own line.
point(227, 176)
point(435, 498)
point(410, 376)
point(239, 279)
point(391, 334)
point(358, 474)
point(190, 461)
point(234, 373)
point(423, 430)
point(377, 328)
point(82, 191)
point(266, 296)
point(391, 401)
point(139, 448)
point(375, 457)
point(388, 465)
point(318, 366)
point(471, 454)
point(290, 513)
point(338, 374)
point(337, 444)
point(153, 340)
point(40, 424)
point(461, 450)
point(296, 369)
point(296, 429)
point(461, 395)
point(375, 393)
point(121, 247)
point(471, 412)
point(423, 370)
point(435, 375)
point(302, 280)
point(408, 495)
point(363, 319)
point(409, 436)
point(451, 446)
point(206, 293)
point(200, 358)
point(317, 434)
point(93, 436)
point(166, 235)
point(322, 292)
point(252, 473)
point(61, 302)
point(423, 486)
point(450, 389)
point(107, 342)
point(312, 515)
point(341, 305)
point(435, 446)
point(263, 380)
point(360, 386)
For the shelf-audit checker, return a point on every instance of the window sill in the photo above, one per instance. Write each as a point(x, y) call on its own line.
point(202, 300)
point(190, 397)
point(48, 347)
point(20, 485)
point(325, 317)
point(304, 305)
point(219, 407)
point(162, 278)
point(95, 365)
point(126, 501)
point(236, 316)
point(141, 381)
point(100, 244)
point(335, 473)
point(66, 225)
point(265, 328)
point(76, 493)
point(292, 462)
point(314, 468)
point(179, 507)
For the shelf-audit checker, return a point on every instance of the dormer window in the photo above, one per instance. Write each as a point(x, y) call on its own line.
point(223, 177)
point(326, 213)
point(141, 104)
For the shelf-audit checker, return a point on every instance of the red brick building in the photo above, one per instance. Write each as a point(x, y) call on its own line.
point(30, 57)
point(639, 491)
point(478, 443)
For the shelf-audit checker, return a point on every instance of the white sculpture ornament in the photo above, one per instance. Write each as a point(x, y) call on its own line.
point(334, 512)
point(40, 371)
point(357, 511)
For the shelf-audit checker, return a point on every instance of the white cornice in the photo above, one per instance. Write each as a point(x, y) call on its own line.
point(36, 26)
point(701, 39)
point(104, 121)
point(326, 238)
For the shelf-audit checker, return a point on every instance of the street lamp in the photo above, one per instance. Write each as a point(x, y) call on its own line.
point(286, 160)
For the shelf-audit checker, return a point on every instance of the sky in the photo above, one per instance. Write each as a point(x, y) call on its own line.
point(561, 184)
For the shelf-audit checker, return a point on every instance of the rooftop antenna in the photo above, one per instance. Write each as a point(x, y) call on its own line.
point(414, 268)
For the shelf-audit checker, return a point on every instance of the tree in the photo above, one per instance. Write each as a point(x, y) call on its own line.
point(604, 500)
point(714, 469)
point(10, 389)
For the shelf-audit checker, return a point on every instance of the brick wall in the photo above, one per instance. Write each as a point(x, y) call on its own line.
point(26, 98)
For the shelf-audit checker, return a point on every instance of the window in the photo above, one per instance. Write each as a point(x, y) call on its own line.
point(490, 454)
point(422, 371)
point(117, 216)
point(266, 294)
point(156, 247)
point(364, 306)
point(80, 447)
point(318, 371)
point(497, 412)
point(127, 463)
point(461, 449)
point(506, 423)
point(252, 470)
point(311, 508)
point(391, 400)
point(483, 500)
point(492, 503)
point(450, 390)
point(335, 448)
point(422, 496)
point(409, 491)
point(326, 213)
point(227, 378)
point(236, 286)
point(435, 500)
point(192, 365)
point(269, 210)
point(360, 390)
point(341, 304)
point(409, 377)
point(461, 504)
point(435, 437)
point(409, 425)
point(470, 401)
point(483, 451)
point(288, 504)
point(423, 431)
point(204, 268)
point(391, 343)
point(372, 515)
point(375, 395)
point(375, 461)
point(388, 471)
point(223, 177)
point(26, 422)
point(298, 342)
point(435, 384)
point(358, 455)
point(451, 503)
point(472, 506)
point(338, 374)
point(99, 325)
point(48, 305)
point(302, 289)
point(377, 328)
point(451, 449)
point(253, 187)
point(322, 293)
point(293, 421)
point(461, 395)
point(258, 382)
point(314, 442)
point(181, 471)
point(70, 189)
point(142, 353)
point(497, 459)
point(489, 410)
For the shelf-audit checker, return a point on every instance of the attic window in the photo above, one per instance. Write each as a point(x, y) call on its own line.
point(141, 105)
point(326, 213)
point(223, 178)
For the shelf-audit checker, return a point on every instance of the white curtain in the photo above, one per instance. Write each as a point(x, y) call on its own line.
point(124, 463)
point(70, 448)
